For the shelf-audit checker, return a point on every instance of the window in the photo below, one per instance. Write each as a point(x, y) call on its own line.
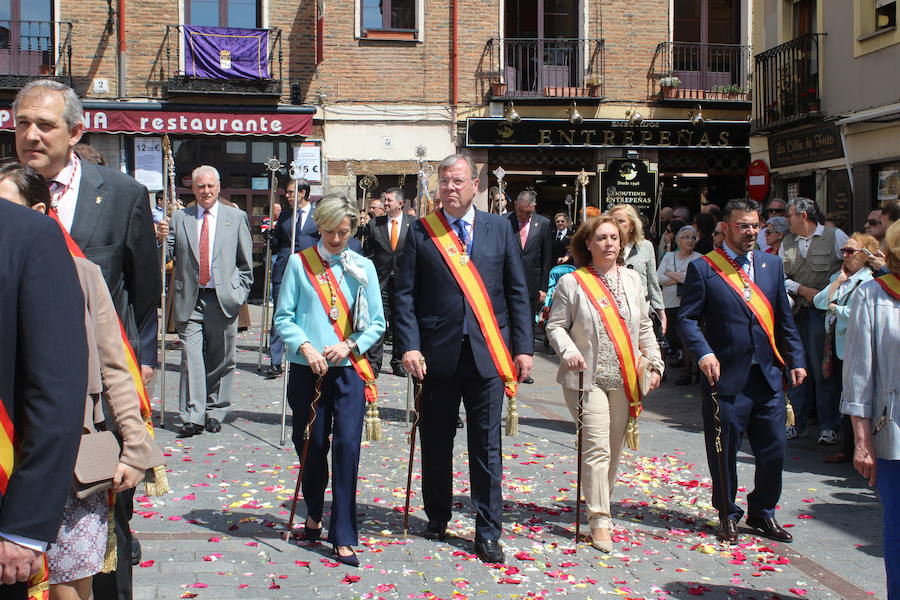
point(388, 15)
point(885, 14)
point(223, 13)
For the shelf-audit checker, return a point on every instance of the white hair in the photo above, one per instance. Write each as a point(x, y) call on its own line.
point(208, 170)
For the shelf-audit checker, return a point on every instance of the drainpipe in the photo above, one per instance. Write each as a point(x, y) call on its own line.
point(454, 53)
point(122, 50)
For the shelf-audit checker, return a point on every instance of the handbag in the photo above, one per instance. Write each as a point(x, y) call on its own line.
point(95, 466)
point(645, 374)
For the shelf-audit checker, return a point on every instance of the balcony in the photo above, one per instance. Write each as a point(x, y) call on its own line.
point(687, 71)
point(544, 68)
point(786, 84)
point(34, 49)
point(184, 76)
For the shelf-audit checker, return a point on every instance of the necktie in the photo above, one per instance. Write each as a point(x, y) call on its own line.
point(743, 263)
point(463, 234)
point(523, 233)
point(394, 233)
point(204, 250)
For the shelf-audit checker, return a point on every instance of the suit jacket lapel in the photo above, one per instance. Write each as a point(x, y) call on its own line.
point(481, 233)
point(88, 204)
point(192, 229)
point(405, 222)
point(533, 231)
point(223, 228)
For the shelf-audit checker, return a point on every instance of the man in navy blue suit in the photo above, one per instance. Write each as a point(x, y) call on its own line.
point(435, 321)
point(742, 366)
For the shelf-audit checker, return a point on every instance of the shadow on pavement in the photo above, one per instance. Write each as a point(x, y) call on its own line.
point(691, 589)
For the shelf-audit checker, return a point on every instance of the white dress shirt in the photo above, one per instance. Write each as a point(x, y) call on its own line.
point(67, 201)
point(213, 215)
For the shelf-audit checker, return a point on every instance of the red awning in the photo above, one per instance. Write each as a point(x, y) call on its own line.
point(181, 123)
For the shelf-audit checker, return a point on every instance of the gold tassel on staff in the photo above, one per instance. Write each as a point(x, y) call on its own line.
point(512, 416)
point(373, 423)
point(109, 557)
point(789, 408)
point(632, 435)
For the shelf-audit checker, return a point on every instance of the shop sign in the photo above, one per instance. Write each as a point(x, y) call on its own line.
point(815, 144)
point(628, 181)
point(206, 123)
point(308, 162)
point(604, 133)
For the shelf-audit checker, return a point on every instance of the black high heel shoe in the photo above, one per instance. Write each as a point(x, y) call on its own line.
point(311, 534)
point(351, 560)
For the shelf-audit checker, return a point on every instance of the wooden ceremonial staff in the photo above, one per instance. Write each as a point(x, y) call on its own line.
point(307, 433)
point(720, 456)
point(412, 451)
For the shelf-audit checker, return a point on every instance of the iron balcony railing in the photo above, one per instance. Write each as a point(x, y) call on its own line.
point(177, 80)
point(786, 83)
point(694, 71)
point(32, 49)
point(546, 67)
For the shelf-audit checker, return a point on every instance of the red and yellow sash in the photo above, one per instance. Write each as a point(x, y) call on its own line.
point(890, 283)
point(606, 307)
point(473, 289)
point(319, 276)
point(758, 303)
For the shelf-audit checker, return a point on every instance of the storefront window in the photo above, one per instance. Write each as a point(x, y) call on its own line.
point(223, 13)
point(888, 182)
point(236, 150)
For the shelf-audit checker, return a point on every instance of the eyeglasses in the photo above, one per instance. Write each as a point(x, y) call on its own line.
point(693, 238)
point(770, 232)
point(457, 183)
point(849, 251)
point(776, 210)
point(873, 222)
point(745, 227)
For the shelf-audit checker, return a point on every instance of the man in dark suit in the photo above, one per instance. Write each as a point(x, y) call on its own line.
point(561, 238)
point(108, 215)
point(741, 365)
point(41, 308)
point(535, 241)
point(384, 246)
point(434, 321)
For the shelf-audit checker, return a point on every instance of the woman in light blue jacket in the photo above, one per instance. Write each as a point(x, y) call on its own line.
point(314, 350)
point(835, 299)
point(872, 395)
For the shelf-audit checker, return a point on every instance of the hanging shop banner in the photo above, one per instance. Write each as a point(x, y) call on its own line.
point(628, 181)
point(205, 123)
point(226, 52)
point(604, 133)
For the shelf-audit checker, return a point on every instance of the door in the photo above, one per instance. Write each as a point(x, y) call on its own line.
point(26, 37)
point(706, 51)
point(541, 49)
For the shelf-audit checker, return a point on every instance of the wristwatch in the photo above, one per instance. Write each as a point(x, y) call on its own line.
point(352, 345)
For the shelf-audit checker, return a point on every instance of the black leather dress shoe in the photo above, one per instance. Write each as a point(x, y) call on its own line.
point(727, 530)
point(213, 425)
point(770, 528)
point(273, 372)
point(190, 429)
point(489, 552)
point(528, 380)
point(436, 530)
point(135, 551)
point(400, 372)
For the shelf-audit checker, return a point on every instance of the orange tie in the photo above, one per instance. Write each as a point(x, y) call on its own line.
point(394, 234)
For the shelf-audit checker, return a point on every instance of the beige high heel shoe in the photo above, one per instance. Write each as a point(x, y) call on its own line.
point(600, 539)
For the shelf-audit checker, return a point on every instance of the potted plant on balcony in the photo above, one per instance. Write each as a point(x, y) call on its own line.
point(499, 88)
point(669, 86)
point(595, 90)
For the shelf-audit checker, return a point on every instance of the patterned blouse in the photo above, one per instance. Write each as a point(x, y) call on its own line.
point(609, 374)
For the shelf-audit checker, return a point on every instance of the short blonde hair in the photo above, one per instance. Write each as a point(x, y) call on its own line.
point(332, 209)
point(637, 234)
point(892, 248)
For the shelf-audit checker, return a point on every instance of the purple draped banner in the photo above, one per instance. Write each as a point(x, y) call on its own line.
point(226, 52)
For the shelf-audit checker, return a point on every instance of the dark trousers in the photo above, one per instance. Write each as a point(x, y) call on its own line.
point(339, 413)
point(889, 491)
point(117, 584)
point(815, 390)
point(18, 591)
point(376, 352)
point(759, 412)
point(483, 399)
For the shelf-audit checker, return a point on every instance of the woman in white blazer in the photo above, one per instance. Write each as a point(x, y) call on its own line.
point(579, 337)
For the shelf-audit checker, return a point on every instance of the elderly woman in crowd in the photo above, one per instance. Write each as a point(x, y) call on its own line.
point(639, 256)
point(671, 273)
point(835, 299)
point(578, 334)
point(775, 230)
point(329, 313)
point(871, 382)
point(78, 552)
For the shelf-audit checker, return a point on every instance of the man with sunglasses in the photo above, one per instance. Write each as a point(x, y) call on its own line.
point(874, 226)
point(811, 254)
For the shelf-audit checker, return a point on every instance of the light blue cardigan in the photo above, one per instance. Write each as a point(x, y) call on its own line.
point(300, 317)
point(841, 313)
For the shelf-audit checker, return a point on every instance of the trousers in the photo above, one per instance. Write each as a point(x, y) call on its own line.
point(889, 489)
point(811, 324)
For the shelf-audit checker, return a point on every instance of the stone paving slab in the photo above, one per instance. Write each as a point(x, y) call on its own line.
point(217, 534)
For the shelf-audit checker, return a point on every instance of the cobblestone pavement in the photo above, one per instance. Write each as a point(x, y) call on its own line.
point(217, 534)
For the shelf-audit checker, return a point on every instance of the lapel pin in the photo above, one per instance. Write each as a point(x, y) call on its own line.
point(98, 200)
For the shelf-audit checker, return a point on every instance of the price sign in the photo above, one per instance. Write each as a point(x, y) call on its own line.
point(148, 162)
point(308, 163)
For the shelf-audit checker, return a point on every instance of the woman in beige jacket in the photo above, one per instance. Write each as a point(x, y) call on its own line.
point(577, 333)
point(111, 403)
